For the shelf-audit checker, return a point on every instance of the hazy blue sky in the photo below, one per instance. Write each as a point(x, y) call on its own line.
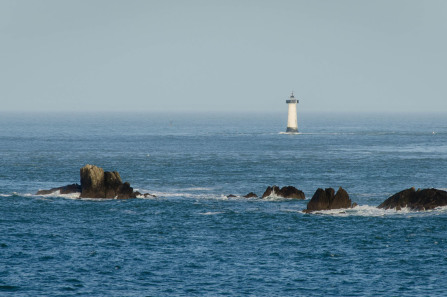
point(223, 55)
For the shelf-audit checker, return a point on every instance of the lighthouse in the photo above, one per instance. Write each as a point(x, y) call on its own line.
point(292, 124)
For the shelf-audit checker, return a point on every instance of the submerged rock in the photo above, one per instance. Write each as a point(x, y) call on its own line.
point(328, 199)
point(145, 195)
point(416, 200)
point(285, 192)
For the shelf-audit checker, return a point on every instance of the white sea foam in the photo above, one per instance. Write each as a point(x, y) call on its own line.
point(361, 210)
point(316, 133)
point(373, 211)
point(274, 197)
point(182, 195)
point(58, 194)
point(290, 133)
point(198, 189)
point(210, 213)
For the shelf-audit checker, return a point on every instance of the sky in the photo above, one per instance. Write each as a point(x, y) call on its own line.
point(223, 56)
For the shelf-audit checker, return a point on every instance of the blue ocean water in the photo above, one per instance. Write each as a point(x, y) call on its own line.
point(194, 241)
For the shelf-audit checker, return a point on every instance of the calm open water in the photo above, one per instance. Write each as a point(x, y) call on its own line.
point(191, 240)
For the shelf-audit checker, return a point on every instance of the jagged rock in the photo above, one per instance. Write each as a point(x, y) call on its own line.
point(125, 191)
point(285, 192)
point(328, 199)
point(251, 195)
point(68, 189)
point(231, 196)
point(112, 184)
point(416, 200)
point(92, 182)
point(96, 183)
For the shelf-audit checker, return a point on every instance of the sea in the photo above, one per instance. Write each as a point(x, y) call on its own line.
point(192, 239)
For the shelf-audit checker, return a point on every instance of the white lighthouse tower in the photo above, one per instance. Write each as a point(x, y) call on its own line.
point(292, 124)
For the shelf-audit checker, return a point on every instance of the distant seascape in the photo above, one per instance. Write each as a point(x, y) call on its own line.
point(191, 239)
point(223, 148)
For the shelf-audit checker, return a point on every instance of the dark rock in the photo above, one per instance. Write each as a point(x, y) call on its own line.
point(125, 191)
point(92, 182)
point(231, 196)
point(68, 189)
point(285, 192)
point(328, 199)
point(269, 191)
point(251, 195)
point(95, 183)
point(416, 200)
point(112, 184)
point(291, 192)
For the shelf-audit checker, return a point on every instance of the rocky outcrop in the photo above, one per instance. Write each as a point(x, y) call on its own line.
point(92, 182)
point(416, 199)
point(285, 192)
point(250, 195)
point(68, 189)
point(328, 199)
point(95, 183)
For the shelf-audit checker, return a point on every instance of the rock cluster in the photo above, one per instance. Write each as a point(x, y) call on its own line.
point(285, 192)
point(328, 199)
point(416, 199)
point(95, 183)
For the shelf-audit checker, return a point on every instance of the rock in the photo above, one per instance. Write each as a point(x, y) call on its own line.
point(95, 183)
point(92, 182)
point(269, 191)
point(328, 199)
point(250, 195)
point(112, 184)
point(416, 200)
point(231, 196)
point(125, 191)
point(285, 192)
point(68, 189)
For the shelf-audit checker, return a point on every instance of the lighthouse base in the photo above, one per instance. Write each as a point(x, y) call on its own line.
point(292, 130)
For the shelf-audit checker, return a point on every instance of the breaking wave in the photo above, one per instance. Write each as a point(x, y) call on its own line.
point(373, 211)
